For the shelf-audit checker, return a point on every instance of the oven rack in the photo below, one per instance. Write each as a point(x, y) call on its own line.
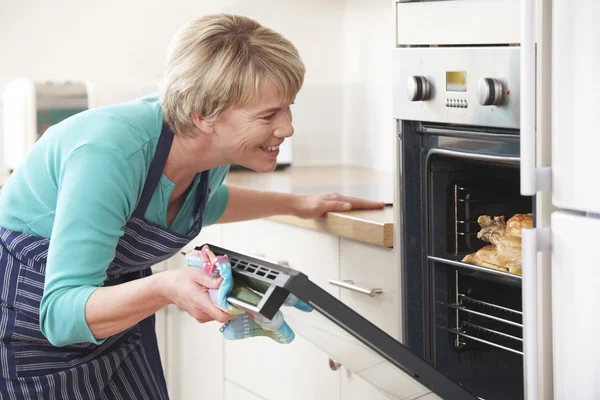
point(476, 331)
point(463, 333)
point(477, 271)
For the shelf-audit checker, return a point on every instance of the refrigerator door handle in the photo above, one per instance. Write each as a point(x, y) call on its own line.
point(532, 241)
point(533, 179)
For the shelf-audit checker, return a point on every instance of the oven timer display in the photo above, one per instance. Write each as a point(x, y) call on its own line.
point(456, 81)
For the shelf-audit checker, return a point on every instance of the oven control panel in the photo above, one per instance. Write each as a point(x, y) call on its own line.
point(469, 85)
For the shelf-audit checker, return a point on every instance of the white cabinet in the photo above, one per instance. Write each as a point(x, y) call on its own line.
point(355, 388)
point(458, 22)
point(235, 392)
point(575, 299)
point(372, 267)
point(298, 371)
point(369, 267)
point(199, 363)
point(194, 351)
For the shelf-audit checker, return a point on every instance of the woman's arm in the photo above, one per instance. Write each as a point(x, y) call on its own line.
point(110, 310)
point(245, 204)
point(96, 195)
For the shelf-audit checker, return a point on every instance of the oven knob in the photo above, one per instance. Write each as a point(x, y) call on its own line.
point(417, 88)
point(489, 91)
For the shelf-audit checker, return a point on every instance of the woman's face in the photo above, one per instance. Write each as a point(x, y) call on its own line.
point(250, 136)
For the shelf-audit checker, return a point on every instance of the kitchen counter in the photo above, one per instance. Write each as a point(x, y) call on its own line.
point(370, 226)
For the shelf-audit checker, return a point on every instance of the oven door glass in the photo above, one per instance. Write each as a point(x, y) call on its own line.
point(340, 332)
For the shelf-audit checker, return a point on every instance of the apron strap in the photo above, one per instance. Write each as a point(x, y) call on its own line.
point(156, 169)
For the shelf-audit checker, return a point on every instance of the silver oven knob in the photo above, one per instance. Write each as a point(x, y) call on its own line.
point(418, 88)
point(490, 92)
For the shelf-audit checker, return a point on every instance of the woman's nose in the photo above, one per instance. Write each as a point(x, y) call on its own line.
point(284, 127)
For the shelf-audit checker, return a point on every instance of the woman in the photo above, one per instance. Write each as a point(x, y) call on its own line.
point(106, 194)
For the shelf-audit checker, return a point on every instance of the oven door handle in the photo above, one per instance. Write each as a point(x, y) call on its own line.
point(532, 241)
point(533, 179)
point(474, 156)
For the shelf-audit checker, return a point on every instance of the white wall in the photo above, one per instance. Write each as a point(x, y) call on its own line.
point(367, 124)
point(341, 114)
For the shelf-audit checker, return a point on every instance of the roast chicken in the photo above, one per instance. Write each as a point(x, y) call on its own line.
point(504, 252)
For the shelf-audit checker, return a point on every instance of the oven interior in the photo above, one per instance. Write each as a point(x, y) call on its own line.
point(476, 313)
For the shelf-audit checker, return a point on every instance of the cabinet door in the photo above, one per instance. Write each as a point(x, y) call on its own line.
point(372, 267)
point(235, 392)
point(195, 351)
point(355, 388)
point(457, 22)
point(575, 299)
point(369, 267)
point(575, 100)
point(297, 371)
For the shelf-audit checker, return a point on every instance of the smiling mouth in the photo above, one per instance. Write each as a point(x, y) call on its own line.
point(270, 148)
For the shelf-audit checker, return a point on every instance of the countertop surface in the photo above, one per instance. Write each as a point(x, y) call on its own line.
point(370, 226)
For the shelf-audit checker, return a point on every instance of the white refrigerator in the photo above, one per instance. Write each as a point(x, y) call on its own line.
point(560, 164)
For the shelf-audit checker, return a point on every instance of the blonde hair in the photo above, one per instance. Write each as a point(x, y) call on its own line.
point(220, 61)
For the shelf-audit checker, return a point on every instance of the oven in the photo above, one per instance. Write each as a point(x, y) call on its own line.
point(458, 114)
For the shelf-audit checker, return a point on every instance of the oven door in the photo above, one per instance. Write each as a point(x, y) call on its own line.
point(340, 332)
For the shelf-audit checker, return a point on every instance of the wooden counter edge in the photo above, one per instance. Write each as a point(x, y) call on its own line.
point(346, 225)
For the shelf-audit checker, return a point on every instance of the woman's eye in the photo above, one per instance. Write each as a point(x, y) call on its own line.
point(269, 117)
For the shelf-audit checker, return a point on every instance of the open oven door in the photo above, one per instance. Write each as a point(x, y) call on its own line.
point(340, 332)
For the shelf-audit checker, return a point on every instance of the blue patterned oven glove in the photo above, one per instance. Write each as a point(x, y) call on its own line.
point(246, 324)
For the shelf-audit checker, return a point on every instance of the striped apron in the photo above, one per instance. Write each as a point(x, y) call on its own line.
point(124, 366)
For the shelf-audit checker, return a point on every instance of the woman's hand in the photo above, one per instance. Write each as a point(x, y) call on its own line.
point(314, 206)
point(188, 288)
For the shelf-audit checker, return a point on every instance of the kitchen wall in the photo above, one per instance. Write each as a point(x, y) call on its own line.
point(342, 115)
point(367, 124)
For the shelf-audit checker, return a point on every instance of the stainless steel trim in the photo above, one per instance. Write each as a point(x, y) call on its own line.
point(475, 156)
point(498, 92)
point(473, 267)
point(496, 62)
point(461, 307)
point(349, 284)
point(458, 332)
point(467, 133)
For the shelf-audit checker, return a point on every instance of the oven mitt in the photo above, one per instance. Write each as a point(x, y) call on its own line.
point(246, 324)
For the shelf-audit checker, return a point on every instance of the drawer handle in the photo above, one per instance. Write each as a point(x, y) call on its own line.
point(349, 284)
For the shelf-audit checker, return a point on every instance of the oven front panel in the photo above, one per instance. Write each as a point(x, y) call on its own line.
point(462, 85)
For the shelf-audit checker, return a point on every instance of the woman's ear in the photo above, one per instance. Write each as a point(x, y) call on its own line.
point(202, 123)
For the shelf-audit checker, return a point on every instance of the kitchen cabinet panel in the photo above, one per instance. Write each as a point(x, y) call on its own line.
point(297, 371)
point(355, 388)
point(372, 267)
point(235, 392)
point(458, 22)
point(194, 353)
point(575, 299)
